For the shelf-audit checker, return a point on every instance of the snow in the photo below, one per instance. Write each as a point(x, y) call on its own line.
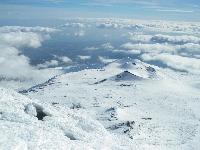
point(160, 111)
point(60, 128)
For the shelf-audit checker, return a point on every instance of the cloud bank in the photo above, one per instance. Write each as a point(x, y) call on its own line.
point(191, 65)
point(15, 67)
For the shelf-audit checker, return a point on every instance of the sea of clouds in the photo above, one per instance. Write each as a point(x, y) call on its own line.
point(172, 44)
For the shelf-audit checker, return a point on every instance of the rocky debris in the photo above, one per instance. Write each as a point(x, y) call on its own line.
point(54, 103)
point(126, 75)
point(39, 86)
point(76, 106)
point(125, 85)
point(146, 118)
point(100, 81)
point(112, 113)
point(125, 127)
point(150, 69)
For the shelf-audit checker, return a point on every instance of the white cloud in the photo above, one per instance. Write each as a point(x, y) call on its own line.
point(91, 48)
point(107, 25)
point(149, 48)
point(78, 27)
point(107, 46)
point(50, 63)
point(135, 52)
point(24, 36)
point(7, 29)
point(183, 39)
point(186, 45)
point(12, 63)
point(175, 10)
point(74, 25)
point(15, 67)
point(84, 57)
point(141, 25)
point(135, 37)
point(197, 56)
point(175, 61)
point(65, 59)
point(20, 39)
point(105, 60)
point(162, 38)
point(190, 48)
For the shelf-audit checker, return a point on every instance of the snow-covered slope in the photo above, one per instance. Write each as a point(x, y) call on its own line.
point(125, 105)
point(158, 111)
point(31, 124)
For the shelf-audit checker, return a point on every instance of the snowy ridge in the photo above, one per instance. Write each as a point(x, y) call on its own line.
point(123, 69)
point(137, 67)
point(39, 86)
point(131, 70)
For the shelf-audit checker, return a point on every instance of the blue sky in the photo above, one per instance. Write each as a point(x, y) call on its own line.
point(186, 10)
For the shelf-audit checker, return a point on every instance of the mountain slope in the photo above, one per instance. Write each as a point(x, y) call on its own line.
point(157, 112)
